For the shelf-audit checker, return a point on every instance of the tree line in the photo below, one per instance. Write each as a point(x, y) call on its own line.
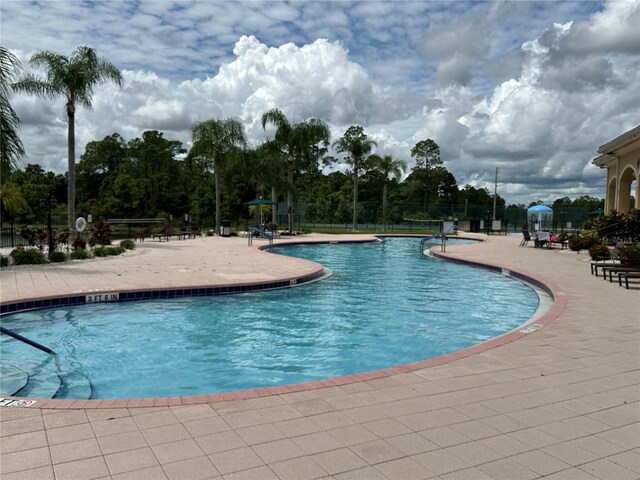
point(152, 176)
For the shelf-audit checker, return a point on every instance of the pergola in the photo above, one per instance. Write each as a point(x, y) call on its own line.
point(621, 158)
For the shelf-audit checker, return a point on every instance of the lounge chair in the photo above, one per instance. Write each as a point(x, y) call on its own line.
point(189, 230)
point(526, 237)
point(166, 233)
point(612, 259)
point(147, 232)
point(561, 239)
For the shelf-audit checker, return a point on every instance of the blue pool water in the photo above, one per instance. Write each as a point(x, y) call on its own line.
point(384, 305)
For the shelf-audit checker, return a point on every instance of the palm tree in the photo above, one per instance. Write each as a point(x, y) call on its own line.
point(75, 78)
point(295, 140)
point(356, 143)
point(11, 148)
point(387, 166)
point(215, 140)
point(12, 200)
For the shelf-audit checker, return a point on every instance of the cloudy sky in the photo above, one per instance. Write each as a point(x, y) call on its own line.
point(531, 87)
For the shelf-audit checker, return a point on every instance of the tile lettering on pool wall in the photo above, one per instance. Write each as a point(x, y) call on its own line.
point(103, 297)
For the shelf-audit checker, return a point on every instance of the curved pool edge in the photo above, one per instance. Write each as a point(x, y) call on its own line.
point(315, 272)
point(559, 302)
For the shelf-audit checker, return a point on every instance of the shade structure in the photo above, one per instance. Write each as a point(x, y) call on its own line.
point(260, 201)
point(540, 217)
point(597, 211)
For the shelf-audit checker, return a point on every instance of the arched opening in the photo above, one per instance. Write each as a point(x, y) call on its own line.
point(627, 181)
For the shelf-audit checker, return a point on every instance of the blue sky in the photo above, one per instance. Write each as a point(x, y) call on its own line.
point(533, 88)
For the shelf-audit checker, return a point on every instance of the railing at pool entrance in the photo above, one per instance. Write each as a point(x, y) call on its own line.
point(441, 236)
point(261, 233)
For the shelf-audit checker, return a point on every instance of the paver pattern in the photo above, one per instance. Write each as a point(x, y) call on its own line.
point(560, 403)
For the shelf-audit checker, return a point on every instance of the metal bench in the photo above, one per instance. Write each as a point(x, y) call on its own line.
point(137, 221)
point(627, 276)
point(616, 270)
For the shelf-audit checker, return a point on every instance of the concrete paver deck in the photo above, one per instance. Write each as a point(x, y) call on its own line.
point(562, 402)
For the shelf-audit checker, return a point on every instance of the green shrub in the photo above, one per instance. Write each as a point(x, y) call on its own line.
point(116, 250)
point(56, 257)
point(599, 252)
point(28, 256)
point(128, 244)
point(34, 236)
point(100, 251)
point(581, 242)
point(4, 260)
point(617, 226)
point(630, 254)
point(79, 254)
point(105, 251)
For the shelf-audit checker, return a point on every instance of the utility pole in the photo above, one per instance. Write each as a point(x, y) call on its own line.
point(495, 194)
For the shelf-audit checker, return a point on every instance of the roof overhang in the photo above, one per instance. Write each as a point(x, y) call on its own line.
point(610, 151)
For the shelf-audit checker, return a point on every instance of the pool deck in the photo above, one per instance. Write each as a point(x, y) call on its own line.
point(562, 402)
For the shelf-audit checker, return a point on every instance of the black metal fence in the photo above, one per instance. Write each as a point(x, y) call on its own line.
point(10, 226)
point(401, 218)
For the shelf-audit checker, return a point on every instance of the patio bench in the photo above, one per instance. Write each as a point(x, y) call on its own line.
point(627, 276)
point(616, 270)
point(137, 221)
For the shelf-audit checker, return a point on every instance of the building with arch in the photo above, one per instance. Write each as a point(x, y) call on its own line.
point(621, 158)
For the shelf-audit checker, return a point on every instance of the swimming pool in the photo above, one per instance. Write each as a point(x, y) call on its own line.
point(384, 305)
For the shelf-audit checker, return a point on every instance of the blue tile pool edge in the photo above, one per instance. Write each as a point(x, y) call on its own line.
point(156, 294)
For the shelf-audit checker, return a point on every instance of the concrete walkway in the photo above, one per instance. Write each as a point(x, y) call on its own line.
point(562, 402)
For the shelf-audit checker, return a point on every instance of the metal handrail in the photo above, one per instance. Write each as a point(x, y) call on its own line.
point(443, 244)
point(17, 336)
point(259, 232)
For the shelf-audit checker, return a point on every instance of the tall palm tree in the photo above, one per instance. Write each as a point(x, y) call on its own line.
point(74, 77)
point(295, 141)
point(215, 140)
point(387, 166)
point(11, 148)
point(356, 143)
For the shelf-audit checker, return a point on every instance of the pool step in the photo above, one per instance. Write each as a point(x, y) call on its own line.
point(12, 379)
point(41, 384)
point(43, 380)
point(75, 385)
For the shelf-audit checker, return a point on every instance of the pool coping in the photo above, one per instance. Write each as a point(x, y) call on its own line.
point(558, 296)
